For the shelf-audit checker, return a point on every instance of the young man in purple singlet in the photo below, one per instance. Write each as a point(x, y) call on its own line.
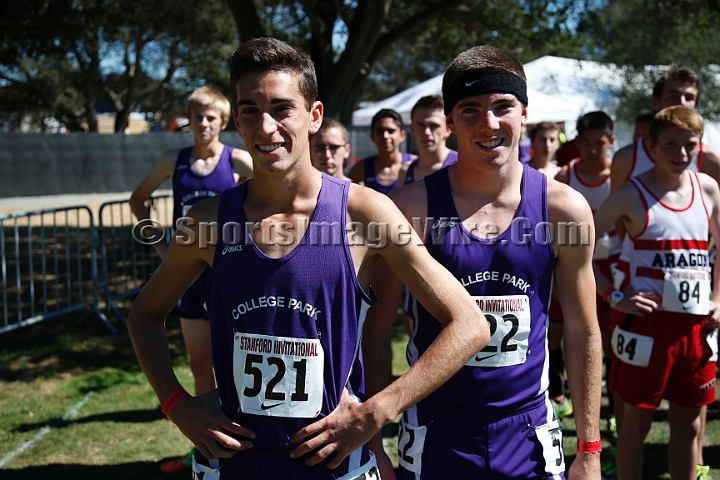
point(430, 131)
point(203, 170)
point(289, 295)
point(381, 172)
point(491, 220)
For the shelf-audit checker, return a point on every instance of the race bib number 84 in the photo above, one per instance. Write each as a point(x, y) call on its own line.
point(509, 319)
point(278, 376)
point(686, 291)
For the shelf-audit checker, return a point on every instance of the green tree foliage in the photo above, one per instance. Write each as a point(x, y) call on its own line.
point(390, 44)
point(528, 29)
point(61, 58)
point(642, 33)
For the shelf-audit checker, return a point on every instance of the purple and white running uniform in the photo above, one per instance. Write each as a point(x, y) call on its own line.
point(449, 160)
point(189, 187)
point(285, 335)
point(370, 179)
point(492, 419)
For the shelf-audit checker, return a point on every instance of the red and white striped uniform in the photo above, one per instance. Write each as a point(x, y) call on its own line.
point(673, 238)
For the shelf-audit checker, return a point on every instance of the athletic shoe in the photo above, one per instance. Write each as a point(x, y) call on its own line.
point(703, 472)
point(608, 469)
point(612, 429)
point(562, 408)
point(178, 464)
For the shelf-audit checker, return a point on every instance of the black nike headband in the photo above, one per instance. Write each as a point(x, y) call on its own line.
point(479, 82)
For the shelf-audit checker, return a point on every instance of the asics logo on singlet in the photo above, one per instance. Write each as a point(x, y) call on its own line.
point(443, 224)
point(231, 249)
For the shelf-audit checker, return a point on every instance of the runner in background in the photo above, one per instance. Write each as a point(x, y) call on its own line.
point(381, 172)
point(200, 171)
point(330, 149)
point(429, 128)
point(545, 137)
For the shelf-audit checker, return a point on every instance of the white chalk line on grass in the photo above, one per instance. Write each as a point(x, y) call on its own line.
point(44, 431)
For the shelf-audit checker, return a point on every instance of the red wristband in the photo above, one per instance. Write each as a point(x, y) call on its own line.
point(607, 293)
point(172, 400)
point(589, 447)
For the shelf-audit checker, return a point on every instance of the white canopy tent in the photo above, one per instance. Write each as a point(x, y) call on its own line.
point(559, 90)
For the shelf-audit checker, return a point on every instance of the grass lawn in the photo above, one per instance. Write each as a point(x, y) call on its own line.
point(76, 405)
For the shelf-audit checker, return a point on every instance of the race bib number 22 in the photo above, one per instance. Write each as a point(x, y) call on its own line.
point(509, 319)
point(278, 376)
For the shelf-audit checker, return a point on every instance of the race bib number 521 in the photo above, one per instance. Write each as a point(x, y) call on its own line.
point(278, 376)
point(509, 319)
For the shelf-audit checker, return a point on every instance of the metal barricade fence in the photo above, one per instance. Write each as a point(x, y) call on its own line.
point(127, 263)
point(49, 265)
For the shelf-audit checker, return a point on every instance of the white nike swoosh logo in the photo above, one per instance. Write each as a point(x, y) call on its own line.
point(467, 84)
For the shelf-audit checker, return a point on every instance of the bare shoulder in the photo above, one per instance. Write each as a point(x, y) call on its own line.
point(411, 199)
point(711, 162)
point(242, 163)
point(625, 154)
point(357, 172)
point(711, 152)
point(241, 155)
point(367, 205)
point(566, 204)
point(710, 186)
point(166, 162)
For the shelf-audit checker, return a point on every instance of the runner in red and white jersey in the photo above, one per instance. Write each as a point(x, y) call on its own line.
point(678, 86)
point(659, 346)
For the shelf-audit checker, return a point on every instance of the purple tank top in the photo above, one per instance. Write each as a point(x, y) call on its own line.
point(449, 160)
point(190, 187)
point(279, 315)
point(371, 180)
point(511, 277)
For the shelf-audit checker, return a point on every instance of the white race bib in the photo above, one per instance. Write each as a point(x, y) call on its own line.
point(509, 319)
point(278, 376)
point(550, 437)
point(411, 441)
point(631, 348)
point(686, 291)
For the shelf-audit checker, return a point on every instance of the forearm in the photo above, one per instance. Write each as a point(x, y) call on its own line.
point(582, 347)
point(138, 208)
point(151, 348)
